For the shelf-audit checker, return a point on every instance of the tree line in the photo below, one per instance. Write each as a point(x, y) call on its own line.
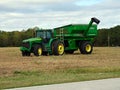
point(14, 38)
point(106, 37)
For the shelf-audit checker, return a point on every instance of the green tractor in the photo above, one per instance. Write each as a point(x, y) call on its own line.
point(65, 39)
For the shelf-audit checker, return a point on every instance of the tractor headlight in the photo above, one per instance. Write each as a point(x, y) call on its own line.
point(26, 44)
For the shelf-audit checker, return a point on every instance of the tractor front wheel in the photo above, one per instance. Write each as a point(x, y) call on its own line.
point(25, 53)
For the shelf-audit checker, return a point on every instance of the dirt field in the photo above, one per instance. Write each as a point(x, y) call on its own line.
point(12, 61)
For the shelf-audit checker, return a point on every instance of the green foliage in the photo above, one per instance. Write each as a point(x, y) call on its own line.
point(14, 38)
point(108, 37)
point(105, 37)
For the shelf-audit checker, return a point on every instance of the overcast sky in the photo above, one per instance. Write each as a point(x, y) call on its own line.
point(24, 14)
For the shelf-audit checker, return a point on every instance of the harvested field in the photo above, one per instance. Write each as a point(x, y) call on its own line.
point(11, 60)
point(18, 71)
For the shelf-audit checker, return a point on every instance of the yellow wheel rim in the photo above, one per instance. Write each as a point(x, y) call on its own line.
point(88, 47)
point(60, 49)
point(40, 51)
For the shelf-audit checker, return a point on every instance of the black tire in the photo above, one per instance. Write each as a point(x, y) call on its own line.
point(37, 50)
point(58, 48)
point(45, 53)
point(52, 47)
point(80, 47)
point(86, 47)
point(25, 53)
point(69, 51)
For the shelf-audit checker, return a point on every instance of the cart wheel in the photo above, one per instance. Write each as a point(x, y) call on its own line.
point(86, 48)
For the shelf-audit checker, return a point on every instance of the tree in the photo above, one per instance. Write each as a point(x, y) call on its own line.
point(108, 36)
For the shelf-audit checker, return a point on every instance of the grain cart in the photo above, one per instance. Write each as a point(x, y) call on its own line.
point(65, 39)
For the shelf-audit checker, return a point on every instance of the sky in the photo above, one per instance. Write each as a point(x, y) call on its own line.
point(48, 14)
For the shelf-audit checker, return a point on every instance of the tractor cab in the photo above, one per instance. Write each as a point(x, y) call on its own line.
point(45, 35)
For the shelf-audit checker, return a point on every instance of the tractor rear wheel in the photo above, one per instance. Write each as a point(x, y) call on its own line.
point(86, 47)
point(37, 50)
point(58, 48)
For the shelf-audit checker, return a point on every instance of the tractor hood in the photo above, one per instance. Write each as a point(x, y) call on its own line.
point(32, 40)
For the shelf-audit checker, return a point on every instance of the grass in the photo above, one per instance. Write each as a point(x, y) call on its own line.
point(18, 71)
